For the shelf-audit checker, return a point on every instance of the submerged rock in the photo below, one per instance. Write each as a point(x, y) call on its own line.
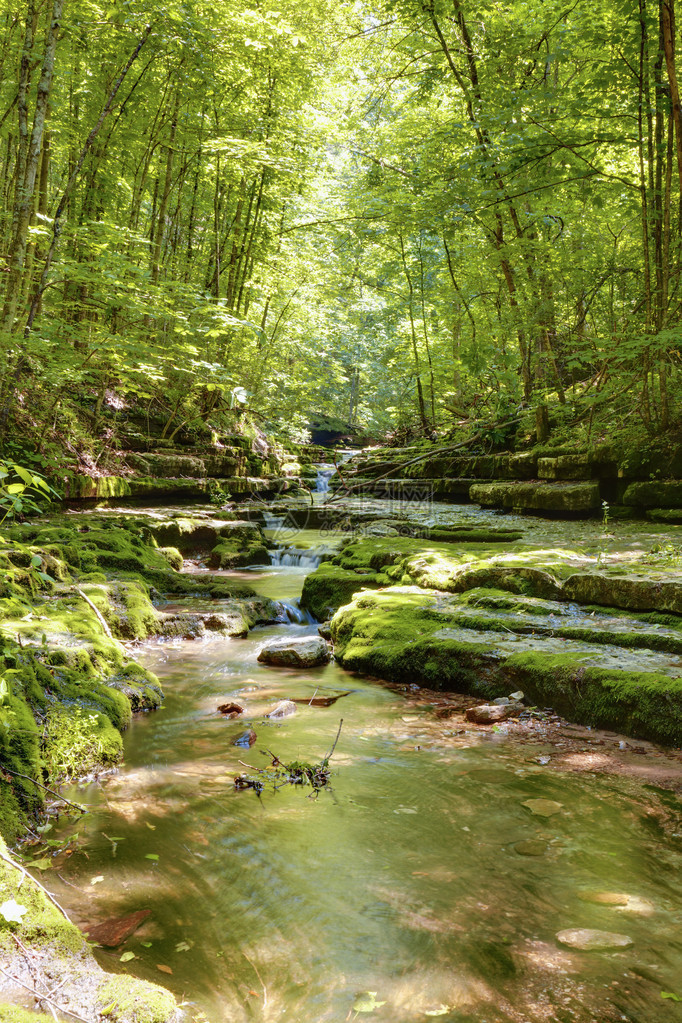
point(113, 932)
point(284, 709)
point(588, 940)
point(543, 807)
point(230, 710)
point(246, 738)
point(295, 653)
point(531, 847)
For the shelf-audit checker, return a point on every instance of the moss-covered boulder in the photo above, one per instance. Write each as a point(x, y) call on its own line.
point(643, 704)
point(631, 592)
point(330, 586)
point(664, 494)
point(240, 543)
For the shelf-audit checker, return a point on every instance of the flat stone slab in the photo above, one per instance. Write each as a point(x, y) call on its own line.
point(588, 940)
point(295, 653)
point(557, 498)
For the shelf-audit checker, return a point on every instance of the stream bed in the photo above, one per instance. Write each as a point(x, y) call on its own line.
point(426, 882)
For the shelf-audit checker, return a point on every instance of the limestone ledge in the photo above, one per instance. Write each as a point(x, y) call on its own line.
point(199, 489)
point(592, 674)
point(543, 498)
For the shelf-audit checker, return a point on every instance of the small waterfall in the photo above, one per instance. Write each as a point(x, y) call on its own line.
point(325, 470)
point(297, 556)
point(292, 612)
point(324, 474)
point(271, 521)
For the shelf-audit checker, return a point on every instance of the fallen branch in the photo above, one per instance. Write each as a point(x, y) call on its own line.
point(63, 799)
point(99, 614)
point(43, 998)
point(420, 458)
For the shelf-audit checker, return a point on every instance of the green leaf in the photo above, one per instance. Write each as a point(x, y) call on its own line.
point(127, 956)
point(151, 856)
point(667, 994)
point(367, 1002)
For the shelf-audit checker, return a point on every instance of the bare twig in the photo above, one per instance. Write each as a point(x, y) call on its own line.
point(63, 799)
point(329, 755)
point(43, 998)
point(255, 970)
point(100, 616)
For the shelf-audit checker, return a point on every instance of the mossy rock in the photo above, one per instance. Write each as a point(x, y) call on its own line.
point(173, 556)
point(240, 544)
point(666, 494)
point(645, 705)
point(630, 592)
point(128, 1000)
point(397, 634)
point(540, 498)
point(329, 587)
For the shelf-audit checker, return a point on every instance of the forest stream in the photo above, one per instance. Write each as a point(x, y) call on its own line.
point(430, 879)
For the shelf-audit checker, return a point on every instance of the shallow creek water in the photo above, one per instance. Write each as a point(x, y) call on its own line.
point(420, 885)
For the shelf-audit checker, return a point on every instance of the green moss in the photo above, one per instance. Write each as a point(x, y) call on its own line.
point(13, 1014)
point(398, 635)
point(78, 742)
point(128, 1000)
point(234, 553)
point(329, 587)
point(20, 758)
point(42, 925)
point(393, 635)
point(643, 704)
point(173, 556)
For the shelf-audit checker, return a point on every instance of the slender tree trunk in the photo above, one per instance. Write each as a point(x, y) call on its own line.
point(26, 187)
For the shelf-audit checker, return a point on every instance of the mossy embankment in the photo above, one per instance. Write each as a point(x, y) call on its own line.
point(75, 590)
point(484, 621)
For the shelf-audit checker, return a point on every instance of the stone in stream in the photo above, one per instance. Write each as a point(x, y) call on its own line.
point(587, 940)
point(284, 709)
point(489, 713)
point(295, 653)
point(230, 710)
point(324, 629)
point(246, 738)
point(114, 932)
point(543, 807)
point(531, 847)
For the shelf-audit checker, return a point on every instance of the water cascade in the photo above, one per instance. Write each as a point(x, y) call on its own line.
point(325, 471)
point(298, 557)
